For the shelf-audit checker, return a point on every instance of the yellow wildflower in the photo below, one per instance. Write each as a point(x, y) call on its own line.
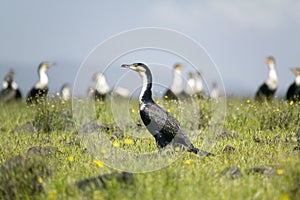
point(168, 110)
point(177, 149)
point(285, 197)
point(291, 102)
point(206, 116)
point(279, 171)
point(40, 180)
point(128, 141)
point(70, 158)
point(188, 161)
point(248, 101)
point(166, 96)
point(116, 144)
point(132, 110)
point(99, 163)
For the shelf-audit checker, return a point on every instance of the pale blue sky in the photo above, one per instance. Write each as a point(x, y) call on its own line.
point(238, 35)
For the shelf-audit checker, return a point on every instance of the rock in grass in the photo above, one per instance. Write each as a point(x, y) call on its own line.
point(263, 169)
point(27, 127)
point(22, 177)
point(95, 126)
point(100, 182)
point(234, 172)
point(226, 134)
point(256, 139)
point(47, 151)
point(229, 149)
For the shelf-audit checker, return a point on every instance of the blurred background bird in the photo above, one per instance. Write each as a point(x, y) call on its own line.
point(267, 90)
point(10, 90)
point(40, 90)
point(293, 93)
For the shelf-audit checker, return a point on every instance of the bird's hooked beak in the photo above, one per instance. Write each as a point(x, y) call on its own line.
point(296, 71)
point(49, 64)
point(130, 66)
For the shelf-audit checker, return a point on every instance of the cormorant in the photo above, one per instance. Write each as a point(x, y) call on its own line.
point(102, 87)
point(65, 92)
point(199, 85)
point(161, 124)
point(293, 93)
point(10, 89)
point(214, 94)
point(190, 86)
point(40, 90)
point(268, 88)
point(176, 89)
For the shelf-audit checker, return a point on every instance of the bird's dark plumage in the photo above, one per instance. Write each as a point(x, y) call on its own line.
point(161, 124)
point(10, 90)
point(293, 93)
point(40, 90)
point(264, 92)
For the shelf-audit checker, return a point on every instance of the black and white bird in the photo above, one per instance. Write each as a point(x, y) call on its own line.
point(199, 85)
point(40, 90)
point(190, 85)
point(10, 90)
point(293, 93)
point(161, 124)
point(65, 92)
point(102, 88)
point(267, 90)
point(176, 89)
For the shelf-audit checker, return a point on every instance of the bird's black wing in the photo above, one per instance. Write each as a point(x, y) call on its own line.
point(291, 91)
point(264, 92)
point(36, 94)
point(7, 94)
point(163, 126)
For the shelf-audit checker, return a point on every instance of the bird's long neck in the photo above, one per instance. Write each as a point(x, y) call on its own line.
point(43, 82)
point(176, 86)
point(146, 93)
point(272, 81)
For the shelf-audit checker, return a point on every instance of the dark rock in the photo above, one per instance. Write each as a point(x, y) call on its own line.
point(47, 151)
point(117, 135)
point(234, 172)
point(28, 127)
point(256, 139)
point(229, 148)
point(100, 182)
point(264, 169)
point(226, 134)
point(296, 148)
point(21, 177)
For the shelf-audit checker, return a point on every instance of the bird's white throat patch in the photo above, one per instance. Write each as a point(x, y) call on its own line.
point(144, 87)
point(272, 81)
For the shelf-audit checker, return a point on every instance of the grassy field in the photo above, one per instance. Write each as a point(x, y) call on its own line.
point(256, 154)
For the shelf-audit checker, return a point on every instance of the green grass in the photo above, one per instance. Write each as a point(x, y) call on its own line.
point(189, 177)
